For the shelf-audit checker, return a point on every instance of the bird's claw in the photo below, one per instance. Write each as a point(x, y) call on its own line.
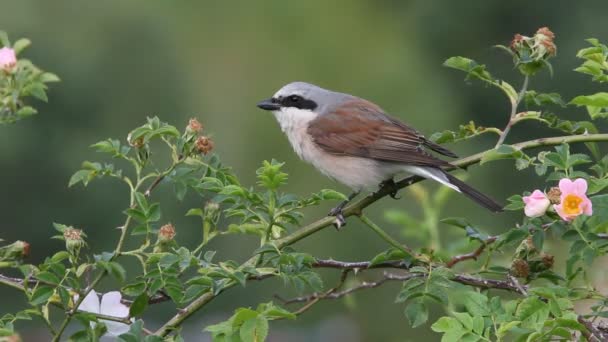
point(340, 221)
point(390, 183)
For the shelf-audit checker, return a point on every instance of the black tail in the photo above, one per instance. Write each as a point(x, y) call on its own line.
point(475, 195)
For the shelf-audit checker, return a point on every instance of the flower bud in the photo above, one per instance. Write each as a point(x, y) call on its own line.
point(8, 59)
point(194, 126)
point(16, 250)
point(211, 210)
point(536, 204)
point(548, 260)
point(516, 43)
point(554, 195)
point(520, 268)
point(137, 143)
point(164, 240)
point(531, 53)
point(73, 240)
point(204, 145)
point(166, 233)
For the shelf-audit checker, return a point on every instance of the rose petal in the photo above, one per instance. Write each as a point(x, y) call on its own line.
point(90, 302)
point(566, 186)
point(587, 206)
point(580, 186)
point(111, 306)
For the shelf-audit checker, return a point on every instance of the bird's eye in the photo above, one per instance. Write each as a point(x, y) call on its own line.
point(294, 98)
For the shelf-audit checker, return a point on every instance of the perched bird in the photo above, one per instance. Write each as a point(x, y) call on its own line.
point(355, 142)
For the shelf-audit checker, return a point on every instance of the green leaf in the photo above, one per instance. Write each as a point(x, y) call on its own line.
point(595, 100)
point(476, 303)
point(195, 212)
point(139, 305)
point(528, 307)
point(516, 202)
point(26, 111)
point(47, 277)
point(596, 104)
point(134, 289)
point(502, 152)
point(49, 77)
point(41, 295)
point(254, 330)
point(465, 319)
point(21, 44)
point(417, 313)
point(445, 324)
point(328, 194)
point(388, 255)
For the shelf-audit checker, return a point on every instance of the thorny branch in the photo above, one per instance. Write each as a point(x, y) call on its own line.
point(473, 255)
point(356, 208)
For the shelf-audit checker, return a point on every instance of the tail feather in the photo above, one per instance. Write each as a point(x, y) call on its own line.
point(475, 195)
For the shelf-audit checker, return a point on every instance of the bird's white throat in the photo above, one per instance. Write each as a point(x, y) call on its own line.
point(293, 118)
point(294, 123)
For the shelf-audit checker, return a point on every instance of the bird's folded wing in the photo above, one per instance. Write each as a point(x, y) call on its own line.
point(360, 128)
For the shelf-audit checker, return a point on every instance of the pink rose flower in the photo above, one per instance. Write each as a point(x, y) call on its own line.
point(573, 200)
point(536, 204)
point(8, 59)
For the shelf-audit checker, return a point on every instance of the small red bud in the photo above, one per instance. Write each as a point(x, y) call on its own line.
point(520, 268)
point(204, 145)
point(166, 233)
point(194, 126)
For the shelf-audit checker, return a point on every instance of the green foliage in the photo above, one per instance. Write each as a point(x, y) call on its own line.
point(542, 290)
point(248, 325)
point(18, 83)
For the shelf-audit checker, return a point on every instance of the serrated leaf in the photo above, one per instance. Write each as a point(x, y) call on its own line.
point(417, 313)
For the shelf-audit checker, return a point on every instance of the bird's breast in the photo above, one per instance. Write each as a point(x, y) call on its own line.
point(355, 172)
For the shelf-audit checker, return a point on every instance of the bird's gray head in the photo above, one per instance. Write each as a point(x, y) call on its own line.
point(303, 96)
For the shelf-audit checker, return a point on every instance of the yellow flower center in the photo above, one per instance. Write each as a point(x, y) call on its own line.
point(572, 204)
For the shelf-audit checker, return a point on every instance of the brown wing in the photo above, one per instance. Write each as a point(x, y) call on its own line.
point(360, 128)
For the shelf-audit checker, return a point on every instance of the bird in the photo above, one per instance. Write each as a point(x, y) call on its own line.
point(355, 142)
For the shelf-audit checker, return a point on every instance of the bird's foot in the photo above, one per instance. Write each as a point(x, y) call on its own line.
point(339, 215)
point(390, 183)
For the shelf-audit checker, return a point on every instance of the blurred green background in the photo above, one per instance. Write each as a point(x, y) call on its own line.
point(121, 61)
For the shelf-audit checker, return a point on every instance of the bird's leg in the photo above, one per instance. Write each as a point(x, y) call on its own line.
point(337, 211)
point(390, 183)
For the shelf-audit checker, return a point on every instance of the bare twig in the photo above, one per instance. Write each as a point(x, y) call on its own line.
point(313, 298)
point(472, 255)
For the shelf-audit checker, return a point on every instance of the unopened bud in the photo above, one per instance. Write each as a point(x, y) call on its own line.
point(517, 42)
point(548, 260)
point(15, 251)
point(137, 143)
point(211, 208)
point(166, 233)
point(544, 43)
point(520, 268)
point(73, 239)
point(194, 126)
point(25, 248)
point(8, 59)
point(554, 195)
point(204, 145)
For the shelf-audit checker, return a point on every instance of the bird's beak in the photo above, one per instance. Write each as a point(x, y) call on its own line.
point(268, 104)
